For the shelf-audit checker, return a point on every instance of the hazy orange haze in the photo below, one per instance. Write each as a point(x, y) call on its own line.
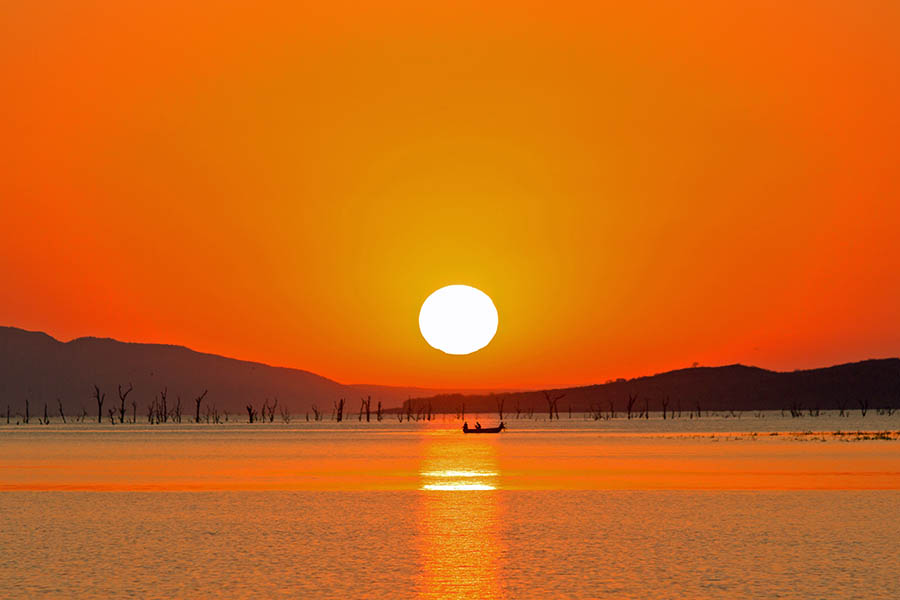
point(637, 187)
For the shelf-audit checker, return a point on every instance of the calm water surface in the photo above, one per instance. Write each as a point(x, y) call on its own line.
point(708, 508)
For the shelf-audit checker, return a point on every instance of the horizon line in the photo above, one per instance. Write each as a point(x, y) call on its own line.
point(454, 390)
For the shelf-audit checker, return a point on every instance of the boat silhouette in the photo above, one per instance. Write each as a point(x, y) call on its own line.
point(479, 429)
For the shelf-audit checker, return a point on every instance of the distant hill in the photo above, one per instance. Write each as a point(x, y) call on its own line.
point(732, 387)
point(36, 366)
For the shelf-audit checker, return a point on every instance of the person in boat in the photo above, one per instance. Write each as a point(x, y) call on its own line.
point(465, 426)
point(477, 425)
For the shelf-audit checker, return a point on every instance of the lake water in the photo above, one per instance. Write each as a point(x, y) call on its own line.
point(716, 507)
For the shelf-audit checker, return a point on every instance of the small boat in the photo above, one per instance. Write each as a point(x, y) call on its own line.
point(498, 429)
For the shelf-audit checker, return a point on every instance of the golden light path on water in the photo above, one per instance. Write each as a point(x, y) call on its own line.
point(461, 516)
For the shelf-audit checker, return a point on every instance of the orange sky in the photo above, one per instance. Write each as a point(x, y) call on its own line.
point(636, 187)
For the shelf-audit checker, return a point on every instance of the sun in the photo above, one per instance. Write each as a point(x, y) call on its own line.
point(458, 319)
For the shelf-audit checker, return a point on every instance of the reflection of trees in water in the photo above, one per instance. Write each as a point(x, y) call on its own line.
point(459, 518)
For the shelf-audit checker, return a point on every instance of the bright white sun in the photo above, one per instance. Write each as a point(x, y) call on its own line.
point(458, 319)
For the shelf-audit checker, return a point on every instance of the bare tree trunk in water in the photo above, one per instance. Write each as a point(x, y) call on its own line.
point(122, 396)
point(100, 398)
point(553, 404)
point(630, 405)
point(163, 405)
point(198, 400)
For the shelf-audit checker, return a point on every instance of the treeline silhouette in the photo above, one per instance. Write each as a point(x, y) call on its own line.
point(35, 366)
point(38, 371)
point(870, 384)
point(163, 410)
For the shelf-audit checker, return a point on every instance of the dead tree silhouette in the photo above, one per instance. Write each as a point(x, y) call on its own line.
point(62, 415)
point(842, 406)
point(630, 405)
point(163, 406)
point(552, 404)
point(122, 396)
point(100, 398)
point(197, 401)
point(339, 410)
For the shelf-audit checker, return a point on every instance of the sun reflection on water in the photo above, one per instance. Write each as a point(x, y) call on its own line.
point(460, 533)
point(450, 480)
